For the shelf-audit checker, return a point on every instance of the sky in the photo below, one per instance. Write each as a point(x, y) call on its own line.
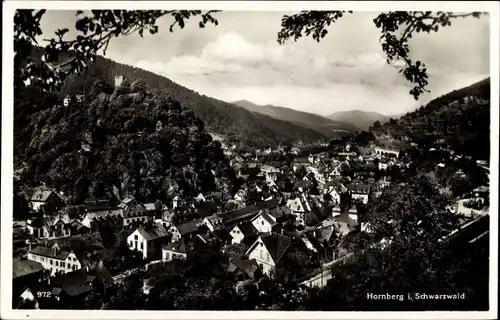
point(240, 59)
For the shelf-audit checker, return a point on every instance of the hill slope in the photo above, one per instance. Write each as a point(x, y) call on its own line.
point(461, 118)
point(121, 141)
point(219, 117)
point(318, 123)
point(361, 119)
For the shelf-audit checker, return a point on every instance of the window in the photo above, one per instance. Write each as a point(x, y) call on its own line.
point(74, 259)
point(57, 263)
point(43, 259)
point(142, 246)
point(50, 261)
point(262, 222)
point(136, 237)
point(74, 268)
point(167, 256)
point(63, 264)
point(131, 243)
point(261, 254)
point(267, 256)
point(69, 265)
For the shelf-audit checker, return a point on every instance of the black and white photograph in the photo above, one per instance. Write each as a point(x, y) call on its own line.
point(249, 156)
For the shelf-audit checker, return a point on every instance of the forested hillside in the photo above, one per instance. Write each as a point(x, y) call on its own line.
point(118, 141)
point(460, 119)
point(329, 128)
point(219, 116)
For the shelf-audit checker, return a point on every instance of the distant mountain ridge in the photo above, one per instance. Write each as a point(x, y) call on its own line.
point(220, 117)
point(327, 127)
point(361, 119)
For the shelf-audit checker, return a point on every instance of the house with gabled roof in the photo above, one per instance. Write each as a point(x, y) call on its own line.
point(335, 190)
point(299, 207)
point(47, 198)
point(94, 218)
point(242, 231)
point(359, 191)
point(274, 252)
point(58, 226)
point(183, 229)
point(54, 259)
point(149, 240)
point(279, 214)
point(175, 250)
point(244, 269)
point(263, 222)
point(213, 222)
point(233, 217)
point(136, 215)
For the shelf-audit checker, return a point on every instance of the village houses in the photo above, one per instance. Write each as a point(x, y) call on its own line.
point(55, 259)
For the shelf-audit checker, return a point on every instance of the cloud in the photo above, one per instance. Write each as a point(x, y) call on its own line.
point(264, 64)
point(190, 66)
point(315, 78)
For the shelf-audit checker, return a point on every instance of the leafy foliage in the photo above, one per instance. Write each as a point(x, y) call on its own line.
point(415, 219)
point(95, 31)
point(396, 28)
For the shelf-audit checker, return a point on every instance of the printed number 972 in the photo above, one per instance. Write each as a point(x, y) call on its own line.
point(44, 294)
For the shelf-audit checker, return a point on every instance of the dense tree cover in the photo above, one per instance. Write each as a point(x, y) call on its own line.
point(459, 177)
point(415, 219)
point(127, 141)
point(464, 126)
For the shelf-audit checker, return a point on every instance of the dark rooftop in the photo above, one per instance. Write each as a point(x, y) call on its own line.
point(24, 267)
point(152, 233)
point(247, 212)
point(50, 252)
